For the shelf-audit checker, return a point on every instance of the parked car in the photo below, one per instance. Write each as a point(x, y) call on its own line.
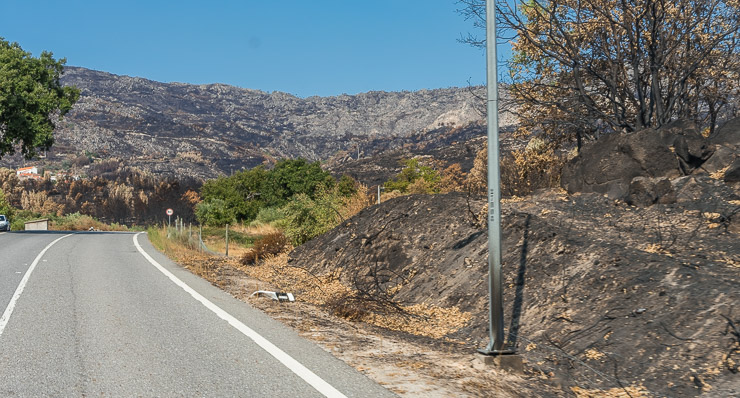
point(4, 223)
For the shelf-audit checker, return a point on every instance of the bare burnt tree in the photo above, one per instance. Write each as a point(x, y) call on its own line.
point(617, 65)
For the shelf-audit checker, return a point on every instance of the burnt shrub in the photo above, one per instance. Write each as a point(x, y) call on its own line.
point(268, 245)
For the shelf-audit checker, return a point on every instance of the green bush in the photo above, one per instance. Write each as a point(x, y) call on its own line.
point(415, 178)
point(18, 222)
point(247, 192)
point(214, 212)
point(347, 186)
point(269, 215)
point(307, 218)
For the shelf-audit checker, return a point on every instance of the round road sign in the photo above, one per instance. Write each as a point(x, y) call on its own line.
point(170, 212)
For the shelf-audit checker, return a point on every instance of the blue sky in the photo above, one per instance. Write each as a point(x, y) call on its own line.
point(320, 47)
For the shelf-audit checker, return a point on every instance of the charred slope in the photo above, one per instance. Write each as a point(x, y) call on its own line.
point(220, 128)
point(598, 294)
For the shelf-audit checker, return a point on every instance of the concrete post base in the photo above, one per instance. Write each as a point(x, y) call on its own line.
point(511, 363)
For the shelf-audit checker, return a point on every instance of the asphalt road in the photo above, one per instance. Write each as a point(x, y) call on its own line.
point(98, 316)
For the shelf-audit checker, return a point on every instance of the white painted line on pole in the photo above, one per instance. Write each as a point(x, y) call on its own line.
point(296, 367)
point(11, 306)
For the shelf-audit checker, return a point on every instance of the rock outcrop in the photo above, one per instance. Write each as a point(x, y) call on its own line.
point(650, 166)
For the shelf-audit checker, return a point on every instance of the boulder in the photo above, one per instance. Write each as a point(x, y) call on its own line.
point(690, 147)
point(732, 175)
point(689, 189)
point(641, 192)
point(723, 156)
point(728, 134)
point(645, 191)
point(609, 165)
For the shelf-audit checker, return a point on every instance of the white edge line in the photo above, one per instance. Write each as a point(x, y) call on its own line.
point(19, 290)
point(296, 367)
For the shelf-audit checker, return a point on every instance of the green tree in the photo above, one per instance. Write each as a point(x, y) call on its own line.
point(214, 212)
point(347, 186)
point(248, 191)
point(241, 192)
point(31, 98)
point(290, 177)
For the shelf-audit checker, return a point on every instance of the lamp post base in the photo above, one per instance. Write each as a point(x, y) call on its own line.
point(486, 351)
point(505, 360)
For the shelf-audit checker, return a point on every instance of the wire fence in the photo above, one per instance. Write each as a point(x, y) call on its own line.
point(193, 238)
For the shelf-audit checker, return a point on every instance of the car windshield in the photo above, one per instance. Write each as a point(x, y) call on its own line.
point(2, 218)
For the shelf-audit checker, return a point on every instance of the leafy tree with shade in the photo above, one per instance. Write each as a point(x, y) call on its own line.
point(290, 177)
point(242, 192)
point(214, 212)
point(248, 191)
point(31, 99)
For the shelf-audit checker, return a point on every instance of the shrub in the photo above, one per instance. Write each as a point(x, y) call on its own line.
point(268, 215)
point(347, 186)
point(522, 171)
point(266, 246)
point(307, 218)
point(415, 178)
point(453, 179)
point(214, 212)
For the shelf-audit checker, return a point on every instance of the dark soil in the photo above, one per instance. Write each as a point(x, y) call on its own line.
point(598, 295)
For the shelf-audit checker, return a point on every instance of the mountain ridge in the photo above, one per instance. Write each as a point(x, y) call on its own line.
point(211, 129)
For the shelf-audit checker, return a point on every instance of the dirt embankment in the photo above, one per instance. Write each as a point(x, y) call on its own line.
point(599, 295)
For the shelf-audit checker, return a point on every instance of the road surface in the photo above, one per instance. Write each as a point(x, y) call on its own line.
point(105, 314)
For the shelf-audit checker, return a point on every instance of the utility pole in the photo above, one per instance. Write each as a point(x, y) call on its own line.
point(495, 286)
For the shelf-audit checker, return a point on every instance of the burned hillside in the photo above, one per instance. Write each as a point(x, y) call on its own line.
point(600, 294)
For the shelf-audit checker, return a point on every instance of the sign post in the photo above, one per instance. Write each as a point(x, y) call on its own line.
point(169, 216)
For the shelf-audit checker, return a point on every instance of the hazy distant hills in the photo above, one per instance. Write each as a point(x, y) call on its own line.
point(209, 129)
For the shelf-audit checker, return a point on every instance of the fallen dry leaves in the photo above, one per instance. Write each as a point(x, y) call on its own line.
point(719, 174)
point(419, 319)
point(594, 354)
point(629, 391)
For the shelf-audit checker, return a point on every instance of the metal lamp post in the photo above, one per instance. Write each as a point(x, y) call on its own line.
point(495, 286)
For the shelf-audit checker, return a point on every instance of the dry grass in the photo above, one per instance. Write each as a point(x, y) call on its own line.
point(421, 319)
point(256, 229)
point(594, 354)
point(76, 222)
point(187, 255)
point(327, 290)
point(355, 203)
point(218, 245)
point(267, 246)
